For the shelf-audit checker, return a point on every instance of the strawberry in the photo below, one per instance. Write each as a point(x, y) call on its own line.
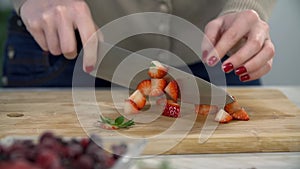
point(172, 109)
point(157, 87)
point(205, 109)
point(162, 101)
point(145, 87)
point(130, 107)
point(138, 98)
point(232, 107)
point(223, 117)
point(172, 90)
point(241, 115)
point(157, 70)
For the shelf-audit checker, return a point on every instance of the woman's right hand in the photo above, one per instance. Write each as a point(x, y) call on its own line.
point(52, 24)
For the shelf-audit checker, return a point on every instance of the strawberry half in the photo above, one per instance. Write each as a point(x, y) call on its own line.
point(138, 98)
point(130, 107)
point(205, 109)
point(172, 109)
point(241, 115)
point(157, 87)
point(157, 70)
point(223, 117)
point(232, 107)
point(172, 90)
point(145, 87)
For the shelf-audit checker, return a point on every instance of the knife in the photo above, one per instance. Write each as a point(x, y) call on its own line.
point(128, 69)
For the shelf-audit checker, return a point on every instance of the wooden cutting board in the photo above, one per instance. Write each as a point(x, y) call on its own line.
point(274, 125)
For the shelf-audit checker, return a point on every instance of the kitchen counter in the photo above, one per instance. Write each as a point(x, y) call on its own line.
point(212, 160)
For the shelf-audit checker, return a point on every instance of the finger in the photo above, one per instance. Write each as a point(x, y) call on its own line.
point(52, 38)
point(40, 38)
point(254, 43)
point(212, 35)
point(262, 61)
point(67, 38)
point(86, 29)
point(238, 29)
point(258, 73)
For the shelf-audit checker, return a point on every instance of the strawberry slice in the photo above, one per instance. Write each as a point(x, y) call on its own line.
point(172, 90)
point(232, 107)
point(205, 109)
point(130, 107)
point(223, 117)
point(138, 98)
point(157, 87)
point(157, 70)
point(145, 87)
point(161, 101)
point(172, 109)
point(241, 115)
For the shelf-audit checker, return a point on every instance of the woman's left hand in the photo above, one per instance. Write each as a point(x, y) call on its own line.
point(244, 35)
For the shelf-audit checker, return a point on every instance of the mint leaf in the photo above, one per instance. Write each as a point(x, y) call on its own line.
point(119, 120)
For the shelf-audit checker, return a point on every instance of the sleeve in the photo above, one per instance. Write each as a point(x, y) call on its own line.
point(262, 7)
point(17, 5)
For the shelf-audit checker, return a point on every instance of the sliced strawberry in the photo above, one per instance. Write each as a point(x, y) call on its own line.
point(157, 87)
point(205, 109)
point(223, 117)
point(172, 90)
point(130, 107)
point(172, 109)
point(241, 115)
point(157, 70)
point(232, 107)
point(162, 101)
point(138, 98)
point(145, 87)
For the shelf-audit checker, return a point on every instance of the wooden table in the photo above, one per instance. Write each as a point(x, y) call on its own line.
point(54, 110)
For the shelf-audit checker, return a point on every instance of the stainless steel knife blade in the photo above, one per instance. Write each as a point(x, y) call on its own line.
point(128, 69)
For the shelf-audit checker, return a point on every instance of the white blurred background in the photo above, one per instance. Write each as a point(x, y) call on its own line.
point(285, 32)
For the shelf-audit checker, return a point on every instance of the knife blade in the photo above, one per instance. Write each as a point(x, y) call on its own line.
point(128, 69)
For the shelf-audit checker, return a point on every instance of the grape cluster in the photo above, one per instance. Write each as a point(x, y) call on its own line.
point(52, 152)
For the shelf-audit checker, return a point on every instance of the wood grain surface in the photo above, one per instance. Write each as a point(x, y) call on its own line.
point(273, 127)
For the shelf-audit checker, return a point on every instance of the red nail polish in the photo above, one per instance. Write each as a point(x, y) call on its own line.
point(204, 55)
point(228, 67)
point(244, 77)
point(212, 60)
point(88, 69)
point(240, 70)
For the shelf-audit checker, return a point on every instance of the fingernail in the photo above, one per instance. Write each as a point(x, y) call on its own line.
point(88, 69)
point(244, 77)
point(204, 55)
point(212, 61)
point(228, 67)
point(240, 70)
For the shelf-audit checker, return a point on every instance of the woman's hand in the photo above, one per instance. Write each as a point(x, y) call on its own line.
point(246, 37)
point(52, 24)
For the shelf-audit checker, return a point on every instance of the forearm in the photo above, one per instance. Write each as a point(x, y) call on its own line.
point(262, 7)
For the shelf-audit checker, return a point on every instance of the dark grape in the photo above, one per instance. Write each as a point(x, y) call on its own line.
point(53, 152)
